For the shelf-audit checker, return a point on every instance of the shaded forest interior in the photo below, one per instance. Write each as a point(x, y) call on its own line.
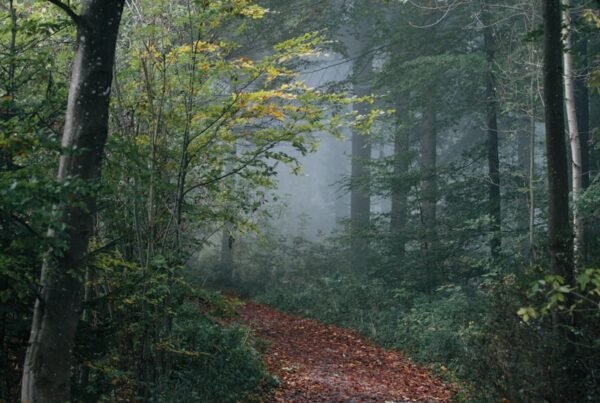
point(423, 173)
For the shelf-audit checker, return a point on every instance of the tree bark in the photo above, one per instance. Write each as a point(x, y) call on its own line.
point(532, 96)
point(582, 108)
point(399, 207)
point(46, 372)
point(559, 224)
point(360, 200)
point(492, 142)
point(559, 231)
point(227, 241)
point(429, 176)
point(522, 130)
point(356, 41)
point(573, 130)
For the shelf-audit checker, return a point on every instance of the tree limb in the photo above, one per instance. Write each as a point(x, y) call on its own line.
point(68, 10)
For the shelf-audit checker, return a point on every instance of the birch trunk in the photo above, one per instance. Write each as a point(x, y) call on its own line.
point(573, 130)
point(560, 242)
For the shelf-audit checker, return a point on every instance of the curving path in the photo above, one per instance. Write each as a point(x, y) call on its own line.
point(323, 363)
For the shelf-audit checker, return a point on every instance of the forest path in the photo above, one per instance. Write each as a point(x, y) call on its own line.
point(323, 363)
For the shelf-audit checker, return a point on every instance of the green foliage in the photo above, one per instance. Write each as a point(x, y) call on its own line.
point(207, 105)
point(440, 327)
point(32, 94)
point(230, 369)
point(198, 127)
point(147, 335)
point(560, 296)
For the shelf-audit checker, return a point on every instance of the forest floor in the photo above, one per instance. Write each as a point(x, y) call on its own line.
point(322, 363)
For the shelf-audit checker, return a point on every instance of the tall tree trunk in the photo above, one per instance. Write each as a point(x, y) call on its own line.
point(574, 139)
point(360, 200)
point(356, 40)
point(559, 225)
point(559, 231)
point(524, 154)
point(399, 207)
point(533, 93)
point(531, 186)
point(47, 369)
point(593, 48)
point(593, 152)
point(429, 176)
point(582, 107)
point(492, 141)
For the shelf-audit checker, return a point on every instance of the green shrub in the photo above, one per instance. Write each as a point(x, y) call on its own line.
point(152, 337)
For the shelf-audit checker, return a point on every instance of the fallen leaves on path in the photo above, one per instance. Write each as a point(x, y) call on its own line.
point(322, 363)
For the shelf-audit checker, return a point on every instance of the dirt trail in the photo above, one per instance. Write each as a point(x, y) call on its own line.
point(322, 363)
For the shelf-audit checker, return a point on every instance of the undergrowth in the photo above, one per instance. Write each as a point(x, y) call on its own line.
point(459, 319)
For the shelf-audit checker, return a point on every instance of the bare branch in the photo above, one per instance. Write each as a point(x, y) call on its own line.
point(68, 10)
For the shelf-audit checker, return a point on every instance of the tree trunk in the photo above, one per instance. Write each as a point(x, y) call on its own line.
point(46, 373)
point(227, 241)
point(428, 176)
point(399, 207)
point(559, 231)
point(582, 107)
point(593, 160)
point(524, 160)
point(356, 41)
point(559, 225)
point(360, 200)
point(574, 139)
point(532, 59)
point(492, 144)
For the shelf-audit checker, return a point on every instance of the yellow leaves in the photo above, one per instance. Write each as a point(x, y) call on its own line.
point(244, 62)
point(204, 66)
point(168, 346)
point(527, 313)
point(129, 301)
point(242, 8)
point(142, 140)
point(272, 73)
point(150, 53)
point(257, 104)
point(302, 46)
point(592, 17)
point(258, 111)
point(193, 48)
point(266, 95)
point(274, 111)
point(203, 46)
point(253, 11)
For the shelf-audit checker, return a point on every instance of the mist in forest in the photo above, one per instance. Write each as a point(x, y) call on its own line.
point(281, 201)
point(315, 201)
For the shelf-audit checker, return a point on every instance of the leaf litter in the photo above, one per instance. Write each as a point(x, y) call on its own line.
point(316, 362)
